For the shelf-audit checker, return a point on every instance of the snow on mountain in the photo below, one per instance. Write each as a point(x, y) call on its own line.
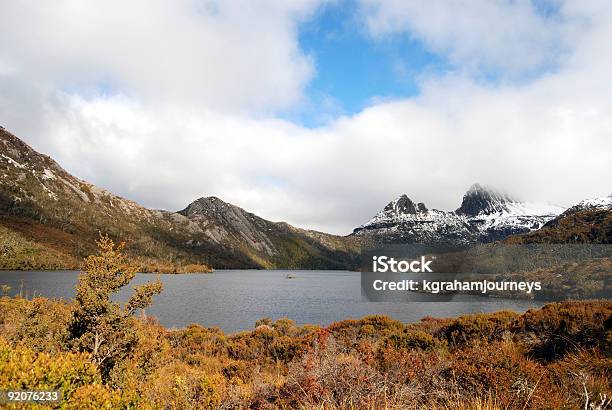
point(603, 203)
point(404, 221)
point(484, 215)
point(479, 200)
point(496, 215)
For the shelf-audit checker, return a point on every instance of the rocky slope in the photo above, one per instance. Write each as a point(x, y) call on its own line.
point(46, 211)
point(270, 244)
point(485, 215)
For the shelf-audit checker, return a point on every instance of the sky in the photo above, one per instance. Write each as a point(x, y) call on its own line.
point(315, 112)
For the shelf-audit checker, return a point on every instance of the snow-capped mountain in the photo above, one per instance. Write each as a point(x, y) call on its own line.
point(603, 203)
point(485, 215)
point(494, 215)
point(589, 221)
point(404, 221)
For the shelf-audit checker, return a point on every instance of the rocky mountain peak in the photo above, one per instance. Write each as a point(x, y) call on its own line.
point(481, 199)
point(204, 206)
point(404, 205)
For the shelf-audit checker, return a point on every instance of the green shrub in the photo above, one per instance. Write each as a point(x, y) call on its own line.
point(23, 368)
point(413, 340)
point(489, 326)
point(40, 324)
point(99, 325)
point(284, 348)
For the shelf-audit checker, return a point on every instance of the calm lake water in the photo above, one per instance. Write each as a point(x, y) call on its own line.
point(234, 299)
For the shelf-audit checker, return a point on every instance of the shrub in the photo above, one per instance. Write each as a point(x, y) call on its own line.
point(349, 332)
point(250, 346)
point(179, 386)
point(98, 396)
point(237, 369)
point(198, 339)
point(284, 348)
point(100, 326)
point(23, 368)
point(328, 376)
point(490, 326)
point(40, 324)
point(266, 321)
point(558, 328)
point(285, 327)
point(413, 340)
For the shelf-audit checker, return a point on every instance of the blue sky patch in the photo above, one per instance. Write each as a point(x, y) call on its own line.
point(352, 69)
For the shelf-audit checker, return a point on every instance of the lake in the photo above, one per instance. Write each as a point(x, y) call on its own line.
point(234, 299)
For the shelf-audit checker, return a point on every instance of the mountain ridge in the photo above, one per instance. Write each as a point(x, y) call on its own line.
point(50, 219)
point(44, 209)
point(485, 215)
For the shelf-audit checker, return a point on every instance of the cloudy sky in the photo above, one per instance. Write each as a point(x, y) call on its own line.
point(315, 112)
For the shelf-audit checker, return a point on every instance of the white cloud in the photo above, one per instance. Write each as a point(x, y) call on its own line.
point(547, 139)
point(510, 36)
point(230, 54)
